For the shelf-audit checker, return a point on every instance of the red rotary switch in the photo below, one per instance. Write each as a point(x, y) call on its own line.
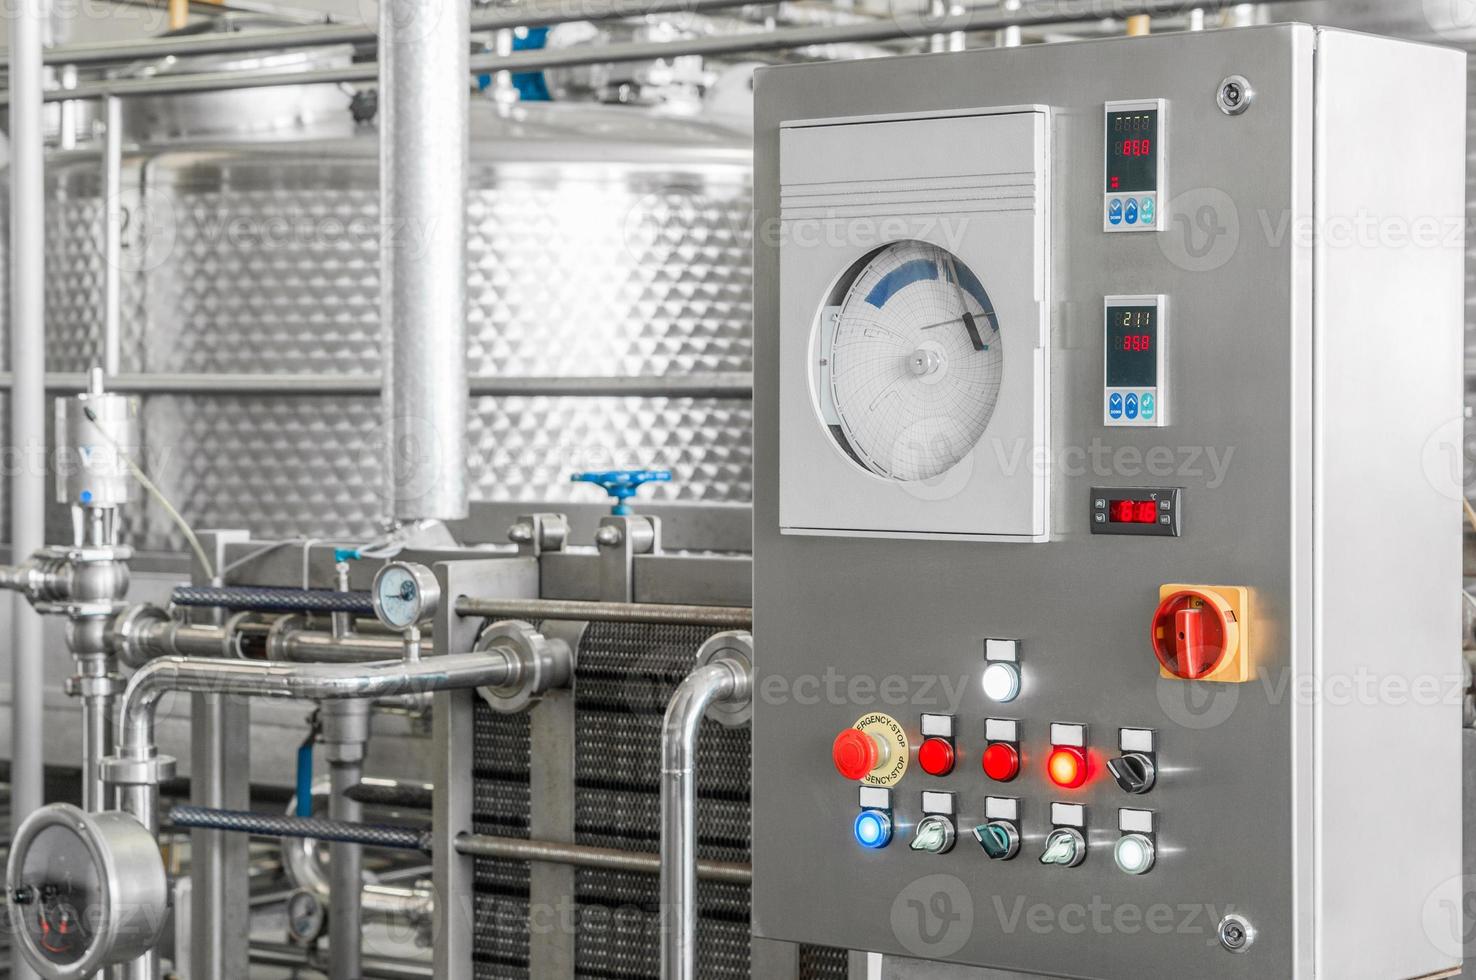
point(1001, 762)
point(936, 756)
point(1193, 632)
point(856, 753)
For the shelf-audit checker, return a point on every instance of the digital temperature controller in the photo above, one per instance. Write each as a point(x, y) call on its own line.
point(1134, 388)
point(1135, 157)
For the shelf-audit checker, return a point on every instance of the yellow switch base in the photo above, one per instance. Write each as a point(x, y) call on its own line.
point(1236, 668)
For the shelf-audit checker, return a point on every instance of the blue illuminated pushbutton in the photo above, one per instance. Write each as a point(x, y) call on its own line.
point(873, 829)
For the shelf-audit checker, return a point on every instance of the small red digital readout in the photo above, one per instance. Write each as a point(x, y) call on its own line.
point(1133, 512)
point(1135, 148)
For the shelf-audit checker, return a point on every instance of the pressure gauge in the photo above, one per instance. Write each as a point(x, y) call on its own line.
point(405, 594)
point(307, 920)
point(86, 891)
point(910, 362)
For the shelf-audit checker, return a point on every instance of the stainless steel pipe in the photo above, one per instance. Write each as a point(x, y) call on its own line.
point(973, 20)
point(345, 736)
point(718, 617)
point(726, 679)
point(532, 14)
point(112, 334)
point(310, 682)
point(585, 856)
point(423, 152)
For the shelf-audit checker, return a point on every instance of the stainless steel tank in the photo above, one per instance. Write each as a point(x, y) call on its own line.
point(605, 242)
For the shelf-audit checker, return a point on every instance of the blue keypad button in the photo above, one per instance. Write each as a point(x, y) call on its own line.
point(1148, 210)
point(1114, 211)
point(1114, 406)
point(1148, 405)
point(1130, 213)
point(1130, 407)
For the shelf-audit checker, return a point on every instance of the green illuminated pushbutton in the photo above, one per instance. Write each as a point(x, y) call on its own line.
point(934, 835)
point(999, 839)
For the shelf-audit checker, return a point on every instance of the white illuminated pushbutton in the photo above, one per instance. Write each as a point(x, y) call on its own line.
point(1134, 854)
point(1001, 681)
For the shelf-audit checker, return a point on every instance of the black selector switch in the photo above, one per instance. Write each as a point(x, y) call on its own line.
point(1134, 772)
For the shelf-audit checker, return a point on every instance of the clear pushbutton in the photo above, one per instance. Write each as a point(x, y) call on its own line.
point(1065, 847)
point(934, 835)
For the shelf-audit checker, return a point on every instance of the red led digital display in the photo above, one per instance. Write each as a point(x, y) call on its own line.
point(1132, 151)
point(1133, 512)
point(1136, 342)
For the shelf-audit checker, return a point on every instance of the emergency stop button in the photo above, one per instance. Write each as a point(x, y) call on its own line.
point(856, 753)
point(875, 751)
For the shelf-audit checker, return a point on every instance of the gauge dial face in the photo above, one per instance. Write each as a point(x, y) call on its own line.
point(305, 917)
point(398, 597)
point(911, 362)
point(66, 895)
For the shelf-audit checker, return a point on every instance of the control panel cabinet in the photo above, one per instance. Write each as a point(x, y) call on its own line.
point(1106, 584)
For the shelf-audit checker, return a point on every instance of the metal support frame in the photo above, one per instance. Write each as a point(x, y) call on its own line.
point(27, 406)
point(453, 734)
point(220, 763)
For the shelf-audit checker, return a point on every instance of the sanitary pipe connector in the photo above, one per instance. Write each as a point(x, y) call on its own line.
point(540, 664)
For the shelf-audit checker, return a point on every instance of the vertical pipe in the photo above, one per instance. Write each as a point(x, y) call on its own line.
point(67, 129)
point(1010, 37)
point(141, 801)
point(345, 880)
point(345, 735)
point(724, 679)
point(27, 405)
point(97, 744)
point(112, 234)
point(423, 171)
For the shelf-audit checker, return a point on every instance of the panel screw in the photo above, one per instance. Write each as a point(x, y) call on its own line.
point(1235, 95)
point(1236, 933)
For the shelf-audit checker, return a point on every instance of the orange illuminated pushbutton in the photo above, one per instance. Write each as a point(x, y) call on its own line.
point(936, 756)
point(1001, 762)
point(1067, 766)
point(856, 753)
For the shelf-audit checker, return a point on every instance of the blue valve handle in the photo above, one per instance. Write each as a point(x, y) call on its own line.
point(622, 484)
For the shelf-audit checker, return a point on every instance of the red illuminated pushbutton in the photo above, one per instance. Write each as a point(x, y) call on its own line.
point(856, 753)
point(1067, 766)
point(936, 756)
point(1001, 762)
